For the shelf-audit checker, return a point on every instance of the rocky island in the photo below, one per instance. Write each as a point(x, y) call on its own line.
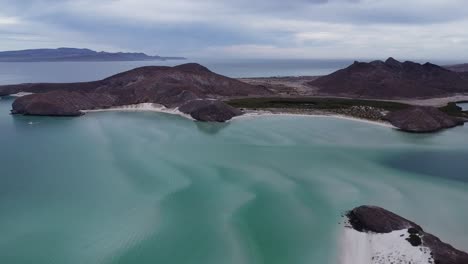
point(377, 91)
point(374, 235)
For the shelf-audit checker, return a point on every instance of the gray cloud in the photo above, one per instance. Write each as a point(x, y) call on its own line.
point(295, 28)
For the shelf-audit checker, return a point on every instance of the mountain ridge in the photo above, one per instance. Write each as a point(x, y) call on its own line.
point(392, 79)
point(76, 55)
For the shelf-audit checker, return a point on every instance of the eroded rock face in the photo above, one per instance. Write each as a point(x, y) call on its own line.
point(210, 110)
point(422, 119)
point(169, 86)
point(392, 79)
point(373, 219)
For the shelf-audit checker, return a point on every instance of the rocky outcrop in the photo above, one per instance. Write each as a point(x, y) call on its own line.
point(188, 85)
point(372, 219)
point(209, 110)
point(392, 79)
point(377, 220)
point(422, 119)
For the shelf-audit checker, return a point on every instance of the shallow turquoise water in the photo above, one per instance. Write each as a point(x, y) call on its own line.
point(155, 188)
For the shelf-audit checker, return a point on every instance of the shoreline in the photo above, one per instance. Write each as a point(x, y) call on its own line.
point(143, 107)
point(371, 248)
point(150, 107)
point(254, 114)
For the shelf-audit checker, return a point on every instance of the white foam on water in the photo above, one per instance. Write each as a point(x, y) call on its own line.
point(370, 248)
point(144, 107)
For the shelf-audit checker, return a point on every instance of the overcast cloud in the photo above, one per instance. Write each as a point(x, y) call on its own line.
point(420, 29)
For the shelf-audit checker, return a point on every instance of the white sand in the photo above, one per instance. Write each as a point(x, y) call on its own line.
point(368, 248)
point(144, 107)
point(150, 107)
point(253, 114)
point(21, 94)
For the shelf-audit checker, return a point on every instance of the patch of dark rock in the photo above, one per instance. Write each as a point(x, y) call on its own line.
point(414, 240)
point(413, 231)
point(210, 110)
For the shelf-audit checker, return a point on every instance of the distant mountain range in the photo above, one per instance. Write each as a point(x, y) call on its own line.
point(72, 54)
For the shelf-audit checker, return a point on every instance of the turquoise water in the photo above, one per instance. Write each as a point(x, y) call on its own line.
point(154, 188)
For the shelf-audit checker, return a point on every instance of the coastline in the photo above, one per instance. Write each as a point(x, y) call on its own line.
point(150, 107)
point(257, 113)
point(370, 248)
point(143, 107)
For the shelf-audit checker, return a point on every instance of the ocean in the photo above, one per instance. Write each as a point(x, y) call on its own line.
point(144, 187)
point(13, 73)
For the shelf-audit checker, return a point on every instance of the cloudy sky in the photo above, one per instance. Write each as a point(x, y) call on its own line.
point(420, 29)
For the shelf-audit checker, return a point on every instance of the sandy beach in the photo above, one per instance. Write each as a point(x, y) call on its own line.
point(144, 107)
point(149, 107)
point(315, 114)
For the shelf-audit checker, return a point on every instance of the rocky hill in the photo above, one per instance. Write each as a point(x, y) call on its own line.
point(392, 79)
point(422, 119)
point(173, 87)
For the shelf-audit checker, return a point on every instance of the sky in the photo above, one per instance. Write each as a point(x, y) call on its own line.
point(323, 29)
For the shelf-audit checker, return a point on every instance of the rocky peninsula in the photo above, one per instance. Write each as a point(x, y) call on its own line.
point(191, 88)
point(375, 235)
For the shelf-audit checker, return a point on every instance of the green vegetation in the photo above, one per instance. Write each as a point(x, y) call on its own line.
point(454, 110)
point(312, 103)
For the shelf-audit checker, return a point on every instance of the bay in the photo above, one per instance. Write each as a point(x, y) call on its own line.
point(117, 187)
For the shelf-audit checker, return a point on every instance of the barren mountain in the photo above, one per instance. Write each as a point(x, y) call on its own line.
point(392, 79)
point(170, 86)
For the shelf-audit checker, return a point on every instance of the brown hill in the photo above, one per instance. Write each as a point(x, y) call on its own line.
point(422, 119)
point(169, 86)
point(392, 79)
